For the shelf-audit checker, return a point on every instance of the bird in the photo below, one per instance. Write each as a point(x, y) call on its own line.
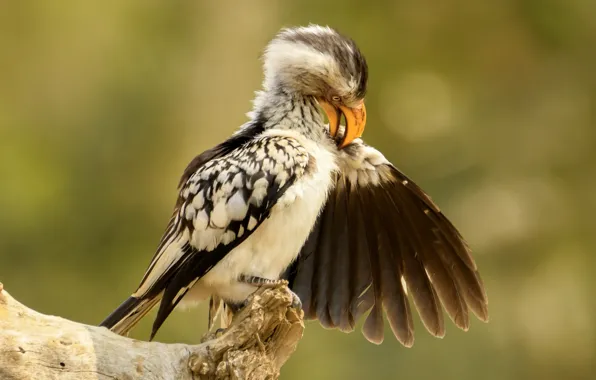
point(296, 196)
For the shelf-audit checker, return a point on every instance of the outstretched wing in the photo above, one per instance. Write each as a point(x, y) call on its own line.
point(221, 203)
point(379, 238)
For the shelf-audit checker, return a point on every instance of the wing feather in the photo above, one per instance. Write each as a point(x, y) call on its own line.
point(379, 239)
point(361, 281)
point(338, 289)
point(394, 294)
point(415, 276)
point(322, 270)
point(373, 328)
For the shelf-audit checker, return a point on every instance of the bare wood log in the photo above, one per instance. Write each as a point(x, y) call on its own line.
point(258, 342)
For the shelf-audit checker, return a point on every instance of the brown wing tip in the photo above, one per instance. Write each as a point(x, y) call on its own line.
point(460, 317)
point(437, 332)
point(373, 329)
point(372, 338)
point(482, 313)
point(373, 335)
point(434, 324)
point(403, 332)
point(478, 303)
point(463, 325)
point(346, 325)
point(406, 341)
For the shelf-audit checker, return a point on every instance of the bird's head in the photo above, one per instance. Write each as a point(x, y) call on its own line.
point(319, 62)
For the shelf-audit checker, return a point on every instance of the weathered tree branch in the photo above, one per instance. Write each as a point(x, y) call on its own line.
point(255, 346)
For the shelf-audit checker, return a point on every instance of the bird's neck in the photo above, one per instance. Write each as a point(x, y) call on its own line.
point(277, 109)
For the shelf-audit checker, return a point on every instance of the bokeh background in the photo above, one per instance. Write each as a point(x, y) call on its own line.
point(490, 106)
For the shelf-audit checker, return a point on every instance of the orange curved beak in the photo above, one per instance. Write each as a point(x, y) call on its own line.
point(355, 121)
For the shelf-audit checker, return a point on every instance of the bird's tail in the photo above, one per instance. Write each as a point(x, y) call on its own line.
point(129, 313)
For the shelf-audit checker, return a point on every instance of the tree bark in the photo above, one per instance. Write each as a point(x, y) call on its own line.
point(257, 343)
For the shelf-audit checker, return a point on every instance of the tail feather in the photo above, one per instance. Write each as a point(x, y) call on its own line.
point(214, 310)
point(227, 314)
point(129, 313)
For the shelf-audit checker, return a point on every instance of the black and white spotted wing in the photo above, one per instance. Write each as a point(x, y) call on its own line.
point(379, 238)
point(223, 199)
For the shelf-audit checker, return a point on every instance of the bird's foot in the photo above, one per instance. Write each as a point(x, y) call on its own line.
point(261, 282)
point(296, 303)
point(268, 283)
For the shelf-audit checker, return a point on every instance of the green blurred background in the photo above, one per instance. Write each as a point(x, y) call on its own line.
point(490, 106)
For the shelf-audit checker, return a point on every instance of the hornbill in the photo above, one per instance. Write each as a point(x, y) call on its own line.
point(290, 197)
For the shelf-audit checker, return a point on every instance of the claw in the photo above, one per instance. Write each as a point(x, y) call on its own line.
point(219, 332)
point(296, 303)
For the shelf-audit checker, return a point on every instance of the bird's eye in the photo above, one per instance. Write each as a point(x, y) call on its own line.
point(335, 98)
